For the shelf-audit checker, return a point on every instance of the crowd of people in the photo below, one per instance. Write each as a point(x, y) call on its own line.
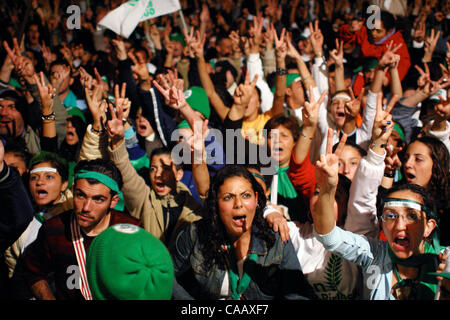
point(236, 149)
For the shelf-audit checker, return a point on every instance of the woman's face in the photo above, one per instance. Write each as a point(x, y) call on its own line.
point(281, 144)
point(71, 134)
point(406, 234)
point(46, 186)
point(418, 164)
point(349, 161)
point(237, 203)
point(378, 32)
point(251, 111)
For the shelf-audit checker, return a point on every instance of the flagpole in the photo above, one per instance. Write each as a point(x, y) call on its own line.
point(183, 22)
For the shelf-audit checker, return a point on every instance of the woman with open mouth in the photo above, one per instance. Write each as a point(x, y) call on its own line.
point(400, 268)
point(48, 177)
point(232, 253)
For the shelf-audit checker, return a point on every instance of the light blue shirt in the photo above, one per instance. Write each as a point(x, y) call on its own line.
point(371, 254)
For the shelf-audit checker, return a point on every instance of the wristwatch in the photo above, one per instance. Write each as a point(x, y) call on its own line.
point(281, 71)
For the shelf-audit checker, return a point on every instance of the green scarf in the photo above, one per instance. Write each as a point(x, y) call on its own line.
point(237, 285)
point(285, 187)
point(425, 285)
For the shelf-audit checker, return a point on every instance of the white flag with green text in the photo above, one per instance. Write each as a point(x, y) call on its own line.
point(124, 19)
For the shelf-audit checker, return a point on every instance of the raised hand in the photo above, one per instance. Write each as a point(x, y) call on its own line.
point(97, 106)
point(122, 101)
point(268, 37)
point(389, 58)
point(23, 65)
point(383, 124)
point(280, 44)
point(291, 51)
point(47, 94)
point(310, 111)
point(316, 37)
point(245, 91)
point(353, 107)
point(256, 34)
point(430, 45)
point(392, 161)
point(155, 36)
point(114, 127)
point(338, 53)
point(327, 168)
point(172, 91)
point(121, 51)
point(419, 32)
point(140, 69)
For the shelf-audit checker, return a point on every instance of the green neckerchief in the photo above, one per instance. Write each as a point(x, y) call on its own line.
point(39, 216)
point(425, 285)
point(104, 179)
point(237, 285)
point(285, 187)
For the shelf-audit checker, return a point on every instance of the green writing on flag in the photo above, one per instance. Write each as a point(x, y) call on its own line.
point(149, 11)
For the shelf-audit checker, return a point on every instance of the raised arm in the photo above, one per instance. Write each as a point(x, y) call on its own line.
point(327, 175)
point(207, 84)
point(338, 57)
point(280, 78)
point(361, 210)
point(310, 117)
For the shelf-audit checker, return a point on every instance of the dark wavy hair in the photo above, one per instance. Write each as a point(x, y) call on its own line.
point(212, 234)
point(438, 186)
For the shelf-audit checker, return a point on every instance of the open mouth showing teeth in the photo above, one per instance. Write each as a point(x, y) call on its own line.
point(401, 242)
point(239, 221)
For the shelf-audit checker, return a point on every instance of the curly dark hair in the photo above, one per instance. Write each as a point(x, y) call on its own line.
point(212, 234)
point(438, 185)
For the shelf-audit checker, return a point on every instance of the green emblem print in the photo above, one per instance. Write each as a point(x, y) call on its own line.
point(333, 273)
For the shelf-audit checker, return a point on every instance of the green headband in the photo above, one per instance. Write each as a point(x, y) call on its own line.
point(400, 131)
point(408, 203)
point(104, 179)
point(428, 211)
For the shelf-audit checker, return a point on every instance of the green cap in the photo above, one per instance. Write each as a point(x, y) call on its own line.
point(177, 37)
point(290, 77)
point(198, 100)
point(370, 63)
point(74, 111)
point(125, 262)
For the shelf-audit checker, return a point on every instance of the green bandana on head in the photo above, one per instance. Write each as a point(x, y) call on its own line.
point(290, 77)
point(104, 179)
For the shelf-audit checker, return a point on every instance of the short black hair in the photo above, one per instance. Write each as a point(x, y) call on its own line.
point(163, 150)
point(57, 162)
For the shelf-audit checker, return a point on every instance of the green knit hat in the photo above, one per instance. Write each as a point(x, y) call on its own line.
point(75, 111)
point(290, 77)
point(125, 262)
point(198, 100)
